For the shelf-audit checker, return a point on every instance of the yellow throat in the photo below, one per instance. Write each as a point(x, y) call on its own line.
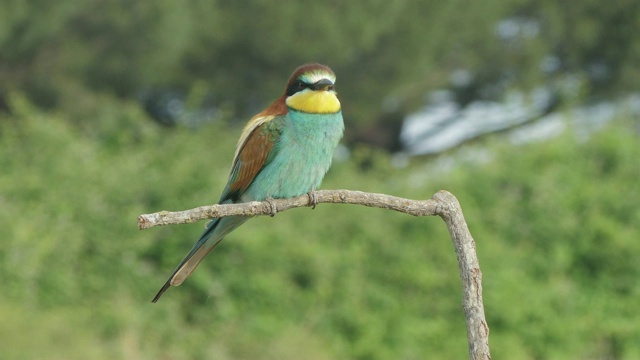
point(315, 102)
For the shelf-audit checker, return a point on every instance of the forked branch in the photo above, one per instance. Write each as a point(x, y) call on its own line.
point(442, 204)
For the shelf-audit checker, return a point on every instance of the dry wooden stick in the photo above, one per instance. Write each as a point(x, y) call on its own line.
point(442, 204)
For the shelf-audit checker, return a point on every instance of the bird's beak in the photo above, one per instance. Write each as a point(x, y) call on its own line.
point(324, 85)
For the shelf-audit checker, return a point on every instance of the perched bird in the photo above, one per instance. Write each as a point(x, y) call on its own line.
point(283, 152)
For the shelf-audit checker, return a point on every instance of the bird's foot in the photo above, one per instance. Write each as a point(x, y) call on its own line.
point(272, 204)
point(313, 201)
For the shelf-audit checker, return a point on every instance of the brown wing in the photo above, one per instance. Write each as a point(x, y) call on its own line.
point(251, 157)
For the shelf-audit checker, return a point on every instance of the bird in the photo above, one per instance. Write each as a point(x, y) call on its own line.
point(283, 152)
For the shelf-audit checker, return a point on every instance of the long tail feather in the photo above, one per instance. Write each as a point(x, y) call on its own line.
point(211, 237)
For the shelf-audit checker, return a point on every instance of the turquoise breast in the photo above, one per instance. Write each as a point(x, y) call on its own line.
point(303, 155)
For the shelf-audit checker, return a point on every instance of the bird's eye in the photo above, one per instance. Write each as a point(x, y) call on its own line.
point(300, 85)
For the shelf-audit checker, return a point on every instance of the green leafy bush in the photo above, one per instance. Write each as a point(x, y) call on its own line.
point(555, 225)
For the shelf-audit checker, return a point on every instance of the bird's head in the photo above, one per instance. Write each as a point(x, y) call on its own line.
point(311, 89)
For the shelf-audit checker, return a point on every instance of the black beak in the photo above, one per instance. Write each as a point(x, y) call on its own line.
point(324, 84)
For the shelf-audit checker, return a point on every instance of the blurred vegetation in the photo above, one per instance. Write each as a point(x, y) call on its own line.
point(555, 223)
point(234, 56)
point(83, 86)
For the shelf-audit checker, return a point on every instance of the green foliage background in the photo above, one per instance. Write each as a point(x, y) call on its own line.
point(555, 225)
point(388, 54)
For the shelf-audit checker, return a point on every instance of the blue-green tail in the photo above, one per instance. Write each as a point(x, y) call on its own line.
point(216, 230)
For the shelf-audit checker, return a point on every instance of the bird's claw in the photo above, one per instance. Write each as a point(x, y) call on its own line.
point(274, 208)
point(313, 201)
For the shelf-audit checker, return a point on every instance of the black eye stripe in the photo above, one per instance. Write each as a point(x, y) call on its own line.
point(297, 86)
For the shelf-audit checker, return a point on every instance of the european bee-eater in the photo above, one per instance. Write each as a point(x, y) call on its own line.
point(283, 152)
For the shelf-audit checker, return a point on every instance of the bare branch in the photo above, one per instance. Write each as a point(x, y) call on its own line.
point(411, 207)
point(442, 204)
